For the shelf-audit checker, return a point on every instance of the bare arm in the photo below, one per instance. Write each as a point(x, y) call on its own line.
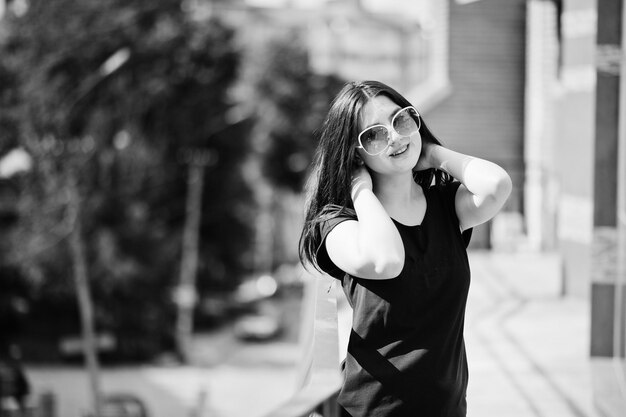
point(370, 247)
point(485, 185)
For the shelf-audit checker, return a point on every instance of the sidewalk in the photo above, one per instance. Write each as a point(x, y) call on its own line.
point(527, 345)
point(182, 391)
point(229, 378)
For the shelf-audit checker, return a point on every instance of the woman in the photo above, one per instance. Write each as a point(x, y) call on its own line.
point(389, 213)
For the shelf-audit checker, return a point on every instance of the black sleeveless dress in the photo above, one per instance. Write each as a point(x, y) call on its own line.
point(406, 353)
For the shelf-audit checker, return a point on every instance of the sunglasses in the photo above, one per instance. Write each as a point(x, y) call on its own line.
point(375, 139)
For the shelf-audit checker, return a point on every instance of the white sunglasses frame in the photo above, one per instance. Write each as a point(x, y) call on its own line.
point(389, 129)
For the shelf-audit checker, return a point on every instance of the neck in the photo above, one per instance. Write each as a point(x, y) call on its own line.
point(393, 190)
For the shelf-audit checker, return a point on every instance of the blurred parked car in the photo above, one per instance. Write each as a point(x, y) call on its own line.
point(122, 405)
point(257, 327)
point(256, 289)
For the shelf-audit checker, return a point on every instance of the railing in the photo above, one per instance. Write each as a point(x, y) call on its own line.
point(319, 375)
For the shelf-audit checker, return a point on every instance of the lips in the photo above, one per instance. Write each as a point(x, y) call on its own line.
point(400, 151)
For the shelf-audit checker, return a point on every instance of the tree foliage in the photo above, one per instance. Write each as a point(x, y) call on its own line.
point(291, 102)
point(115, 94)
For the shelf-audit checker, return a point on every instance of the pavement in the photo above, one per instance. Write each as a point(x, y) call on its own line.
point(228, 378)
point(527, 346)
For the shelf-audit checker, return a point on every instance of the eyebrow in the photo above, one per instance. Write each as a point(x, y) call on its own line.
point(393, 113)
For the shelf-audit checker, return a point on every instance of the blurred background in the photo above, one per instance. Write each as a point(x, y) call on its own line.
point(152, 160)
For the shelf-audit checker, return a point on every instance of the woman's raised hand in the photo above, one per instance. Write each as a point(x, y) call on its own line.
point(425, 160)
point(361, 180)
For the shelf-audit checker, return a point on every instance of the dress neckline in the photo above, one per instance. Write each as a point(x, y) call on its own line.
point(416, 226)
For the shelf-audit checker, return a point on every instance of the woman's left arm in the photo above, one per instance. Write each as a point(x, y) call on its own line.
point(484, 187)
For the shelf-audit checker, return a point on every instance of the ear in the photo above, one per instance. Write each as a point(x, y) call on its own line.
point(358, 160)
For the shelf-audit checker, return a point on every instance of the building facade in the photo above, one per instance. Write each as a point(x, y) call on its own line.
point(483, 113)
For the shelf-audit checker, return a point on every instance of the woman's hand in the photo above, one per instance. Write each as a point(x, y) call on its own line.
point(361, 180)
point(485, 185)
point(426, 160)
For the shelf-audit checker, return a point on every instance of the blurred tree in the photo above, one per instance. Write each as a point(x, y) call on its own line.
point(8, 99)
point(110, 96)
point(289, 101)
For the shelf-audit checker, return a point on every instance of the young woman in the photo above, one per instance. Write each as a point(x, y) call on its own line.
point(389, 213)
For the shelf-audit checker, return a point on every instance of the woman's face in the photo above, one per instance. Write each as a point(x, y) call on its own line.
point(402, 152)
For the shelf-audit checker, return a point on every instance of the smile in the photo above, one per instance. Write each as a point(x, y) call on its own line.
point(400, 151)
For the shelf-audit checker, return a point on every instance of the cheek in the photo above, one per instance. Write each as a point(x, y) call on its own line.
point(371, 162)
point(363, 159)
point(416, 141)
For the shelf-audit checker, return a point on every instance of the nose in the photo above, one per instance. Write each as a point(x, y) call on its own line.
point(393, 136)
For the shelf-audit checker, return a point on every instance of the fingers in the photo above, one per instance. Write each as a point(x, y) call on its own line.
point(361, 180)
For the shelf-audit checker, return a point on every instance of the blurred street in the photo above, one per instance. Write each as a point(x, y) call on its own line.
point(527, 349)
point(527, 346)
point(229, 377)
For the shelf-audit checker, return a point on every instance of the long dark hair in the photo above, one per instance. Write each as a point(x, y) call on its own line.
point(328, 185)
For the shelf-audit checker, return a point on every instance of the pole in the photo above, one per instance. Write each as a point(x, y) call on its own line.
point(186, 292)
point(77, 248)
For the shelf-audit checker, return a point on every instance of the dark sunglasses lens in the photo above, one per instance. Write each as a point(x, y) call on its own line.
point(406, 122)
point(375, 140)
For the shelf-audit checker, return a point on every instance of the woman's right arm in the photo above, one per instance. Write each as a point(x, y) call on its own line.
point(371, 247)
